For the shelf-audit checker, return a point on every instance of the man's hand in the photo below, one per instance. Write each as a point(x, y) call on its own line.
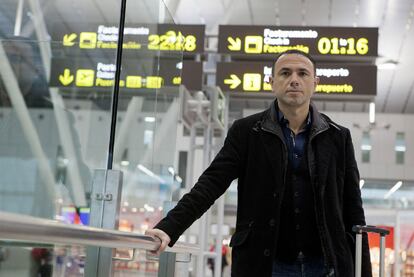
point(165, 239)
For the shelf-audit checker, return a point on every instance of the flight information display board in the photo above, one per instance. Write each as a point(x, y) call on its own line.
point(318, 41)
point(334, 78)
point(157, 37)
point(135, 74)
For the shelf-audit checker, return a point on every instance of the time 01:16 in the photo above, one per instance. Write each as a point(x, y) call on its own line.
point(335, 46)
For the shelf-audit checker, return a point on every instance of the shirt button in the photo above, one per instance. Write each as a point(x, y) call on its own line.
point(272, 222)
point(266, 252)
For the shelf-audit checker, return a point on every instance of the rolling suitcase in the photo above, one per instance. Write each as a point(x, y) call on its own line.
point(358, 249)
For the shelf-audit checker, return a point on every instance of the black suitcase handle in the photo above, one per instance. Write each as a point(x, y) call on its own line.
point(358, 229)
point(370, 229)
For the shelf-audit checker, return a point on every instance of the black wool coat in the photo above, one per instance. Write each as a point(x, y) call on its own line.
point(255, 153)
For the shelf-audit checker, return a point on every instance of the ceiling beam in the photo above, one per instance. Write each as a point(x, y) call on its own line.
point(172, 6)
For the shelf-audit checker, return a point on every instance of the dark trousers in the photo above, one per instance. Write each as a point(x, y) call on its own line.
point(301, 267)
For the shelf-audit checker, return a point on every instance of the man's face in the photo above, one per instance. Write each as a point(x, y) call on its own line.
point(294, 80)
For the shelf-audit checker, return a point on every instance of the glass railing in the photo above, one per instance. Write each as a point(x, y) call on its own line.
point(62, 249)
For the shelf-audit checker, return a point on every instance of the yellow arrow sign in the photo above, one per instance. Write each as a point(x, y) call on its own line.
point(68, 39)
point(235, 44)
point(67, 78)
point(234, 82)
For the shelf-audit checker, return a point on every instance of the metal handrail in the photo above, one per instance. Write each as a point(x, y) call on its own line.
point(23, 228)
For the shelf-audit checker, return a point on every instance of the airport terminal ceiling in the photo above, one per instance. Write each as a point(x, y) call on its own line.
point(395, 87)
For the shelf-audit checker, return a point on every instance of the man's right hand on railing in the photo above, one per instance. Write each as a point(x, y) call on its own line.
point(165, 239)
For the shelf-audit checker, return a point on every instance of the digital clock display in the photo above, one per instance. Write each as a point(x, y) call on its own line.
point(343, 46)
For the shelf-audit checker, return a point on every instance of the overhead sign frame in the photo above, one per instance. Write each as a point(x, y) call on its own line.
point(335, 79)
point(339, 42)
point(99, 73)
point(187, 38)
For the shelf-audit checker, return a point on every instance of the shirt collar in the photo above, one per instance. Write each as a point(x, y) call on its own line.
point(284, 122)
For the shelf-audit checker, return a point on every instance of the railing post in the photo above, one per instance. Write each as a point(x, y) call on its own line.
point(166, 266)
point(105, 205)
point(166, 263)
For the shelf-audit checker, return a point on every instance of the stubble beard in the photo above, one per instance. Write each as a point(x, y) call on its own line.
point(293, 102)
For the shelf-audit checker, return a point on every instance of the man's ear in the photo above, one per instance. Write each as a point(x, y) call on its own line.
point(316, 82)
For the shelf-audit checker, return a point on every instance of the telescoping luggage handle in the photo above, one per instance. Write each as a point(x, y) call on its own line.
point(358, 229)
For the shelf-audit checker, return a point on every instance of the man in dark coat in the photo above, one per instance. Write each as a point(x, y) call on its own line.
point(298, 186)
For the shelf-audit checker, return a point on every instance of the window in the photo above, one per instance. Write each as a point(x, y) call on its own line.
point(366, 147)
point(182, 166)
point(148, 137)
point(400, 148)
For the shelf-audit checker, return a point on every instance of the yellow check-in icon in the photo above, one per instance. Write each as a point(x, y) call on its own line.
point(252, 81)
point(87, 40)
point(85, 77)
point(253, 44)
point(133, 81)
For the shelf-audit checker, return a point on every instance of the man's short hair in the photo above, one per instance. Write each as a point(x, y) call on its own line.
point(297, 52)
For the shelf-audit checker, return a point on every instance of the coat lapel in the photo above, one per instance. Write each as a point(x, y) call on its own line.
point(272, 138)
point(319, 154)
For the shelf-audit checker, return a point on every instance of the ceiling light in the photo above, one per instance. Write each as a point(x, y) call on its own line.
point(149, 119)
point(387, 65)
point(178, 179)
point(145, 170)
point(366, 147)
point(171, 170)
point(393, 189)
point(361, 183)
point(372, 112)
point(400, 148)
point(150, 173)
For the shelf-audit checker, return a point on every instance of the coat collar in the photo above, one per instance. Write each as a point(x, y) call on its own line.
point(271, 123)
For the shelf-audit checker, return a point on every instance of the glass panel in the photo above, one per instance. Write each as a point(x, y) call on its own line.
point(53, 116)
point(54, 112)
point(406, 239)
point(52, 136)
point(25, 259)
point(138, 265)
point(147, 117)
